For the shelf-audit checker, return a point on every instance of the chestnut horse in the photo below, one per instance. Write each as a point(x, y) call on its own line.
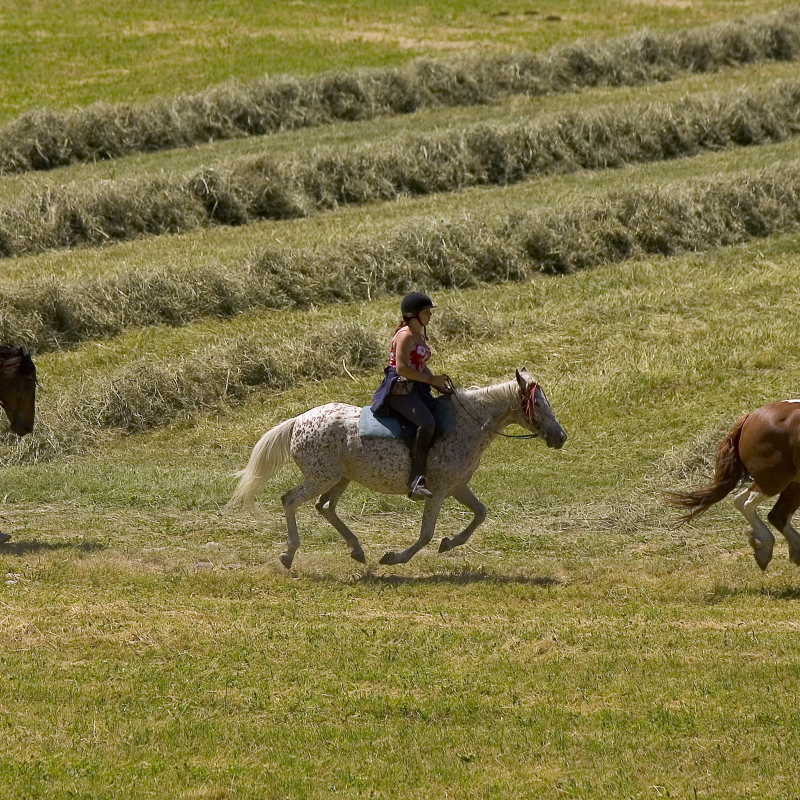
point(17, 393)
point(763, 446)
point(325, 444)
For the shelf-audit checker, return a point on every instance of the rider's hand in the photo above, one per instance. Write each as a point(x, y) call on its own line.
point(442, 383)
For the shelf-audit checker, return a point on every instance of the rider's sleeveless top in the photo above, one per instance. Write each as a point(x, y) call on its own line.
point(420, 353)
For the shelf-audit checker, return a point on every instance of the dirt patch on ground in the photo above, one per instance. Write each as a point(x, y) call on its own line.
point(664, 3)
point(443, 43)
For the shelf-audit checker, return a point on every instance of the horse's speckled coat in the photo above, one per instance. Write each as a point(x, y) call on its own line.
point(325, 445)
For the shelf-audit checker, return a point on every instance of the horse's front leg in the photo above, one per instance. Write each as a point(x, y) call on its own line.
point(326, 505)
point(781, 517)
point(465, 496)
point(433, 505)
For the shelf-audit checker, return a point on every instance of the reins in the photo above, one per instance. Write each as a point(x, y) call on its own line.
point(527, 401)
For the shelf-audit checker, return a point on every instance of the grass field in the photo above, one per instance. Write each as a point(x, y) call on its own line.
point(581, 645)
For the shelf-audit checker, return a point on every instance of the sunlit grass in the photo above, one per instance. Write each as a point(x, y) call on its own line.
point(580, 645)
point(141, 51)
point(511, 111)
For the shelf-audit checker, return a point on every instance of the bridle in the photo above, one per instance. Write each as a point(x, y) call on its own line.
point(528, 399)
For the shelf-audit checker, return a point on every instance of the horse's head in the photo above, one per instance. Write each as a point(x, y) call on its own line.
point(18, 388)
point(535, 413)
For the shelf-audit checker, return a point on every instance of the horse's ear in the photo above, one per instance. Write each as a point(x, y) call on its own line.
point(523, 384)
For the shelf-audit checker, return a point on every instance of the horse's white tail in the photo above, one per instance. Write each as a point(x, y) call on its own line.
point(271, 450)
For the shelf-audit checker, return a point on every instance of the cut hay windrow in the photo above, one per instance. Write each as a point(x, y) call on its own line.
point(685, 217)
point(628, 224)
point(146, 393)
point(255, 188)
point(45, 139)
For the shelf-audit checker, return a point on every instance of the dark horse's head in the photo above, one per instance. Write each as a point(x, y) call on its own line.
point(17, 388)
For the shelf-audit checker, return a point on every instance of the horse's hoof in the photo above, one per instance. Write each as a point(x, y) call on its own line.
point(389, 558)
point(358, 555)
point(286, 559)
point(445, 545)
point(4, 537)
point(794, 557)
point(763, 556)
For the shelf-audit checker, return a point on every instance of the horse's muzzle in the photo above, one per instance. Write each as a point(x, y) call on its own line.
point(21, 427)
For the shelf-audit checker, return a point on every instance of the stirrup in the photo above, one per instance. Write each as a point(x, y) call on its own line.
point(419, 489)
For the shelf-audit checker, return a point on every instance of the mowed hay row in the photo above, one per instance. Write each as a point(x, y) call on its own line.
point(628, 224)
point(146, 393)
point(244, 190)
point(46, 139)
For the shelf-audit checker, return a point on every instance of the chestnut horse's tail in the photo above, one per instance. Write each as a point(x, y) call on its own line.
point(271, 450)
point(728, 474)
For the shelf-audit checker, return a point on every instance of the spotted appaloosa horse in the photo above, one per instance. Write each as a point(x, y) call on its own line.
point(764, 446)
point(326, 446)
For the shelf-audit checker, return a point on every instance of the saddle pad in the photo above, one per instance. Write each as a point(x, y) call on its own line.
point(372, 427)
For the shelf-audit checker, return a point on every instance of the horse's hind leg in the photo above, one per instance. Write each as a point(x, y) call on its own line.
point(326, 505)
point(433, 505)
point(781, 517)
point(465, 496)
point(292, 500)
point(761, 540)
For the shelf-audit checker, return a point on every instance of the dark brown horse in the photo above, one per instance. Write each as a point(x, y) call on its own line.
point(17, 392)
point(765, 447)
point(17, 388)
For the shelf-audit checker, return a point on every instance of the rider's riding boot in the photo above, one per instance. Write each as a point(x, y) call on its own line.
point(419, 459)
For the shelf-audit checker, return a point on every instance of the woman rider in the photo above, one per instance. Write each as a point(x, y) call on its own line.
point(405, 388)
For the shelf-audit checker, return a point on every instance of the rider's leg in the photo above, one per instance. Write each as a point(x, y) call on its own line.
point(413, 408)
point(419, 461)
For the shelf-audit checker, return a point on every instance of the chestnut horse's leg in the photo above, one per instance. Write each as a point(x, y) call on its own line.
point(433, 505)
point(326, 505)
point(781, 517)
point(465, 496)
point(761, 540)
point(292, 500)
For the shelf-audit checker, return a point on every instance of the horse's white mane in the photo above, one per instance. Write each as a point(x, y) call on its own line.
point(488, 395)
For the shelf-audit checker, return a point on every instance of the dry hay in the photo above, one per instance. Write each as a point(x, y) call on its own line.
point(45, 139)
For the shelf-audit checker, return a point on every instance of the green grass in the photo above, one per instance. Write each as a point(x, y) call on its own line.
point(580, 645)
point(234, 246)
point(338, 137)
point(139, 51)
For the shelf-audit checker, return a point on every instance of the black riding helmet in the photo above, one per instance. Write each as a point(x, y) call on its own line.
point(413, 303)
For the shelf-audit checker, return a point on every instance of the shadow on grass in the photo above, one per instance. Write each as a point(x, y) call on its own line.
point(458, 578)
point(24, 547)
point(720, 593)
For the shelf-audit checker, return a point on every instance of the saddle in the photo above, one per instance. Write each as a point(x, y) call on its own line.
point(390, 426)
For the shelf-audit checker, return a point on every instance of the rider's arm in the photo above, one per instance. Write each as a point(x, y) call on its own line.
point(404, 344)
point(403, 347)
